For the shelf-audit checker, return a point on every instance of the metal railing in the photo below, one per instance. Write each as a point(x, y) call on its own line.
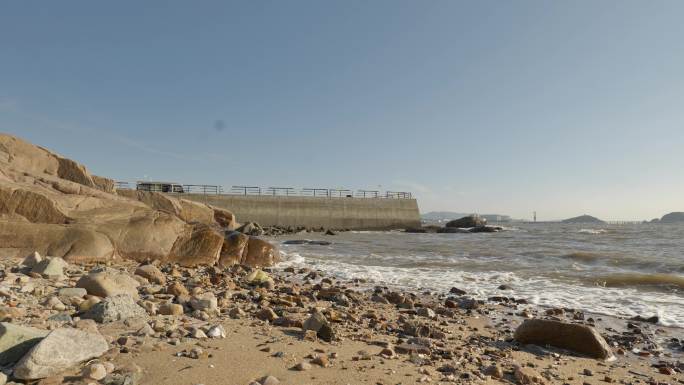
point(259, 191)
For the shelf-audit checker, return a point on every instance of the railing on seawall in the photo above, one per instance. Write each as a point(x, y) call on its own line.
point(262, 191)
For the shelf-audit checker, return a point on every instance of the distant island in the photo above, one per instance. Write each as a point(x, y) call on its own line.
point(673, 217)
point(583, 219)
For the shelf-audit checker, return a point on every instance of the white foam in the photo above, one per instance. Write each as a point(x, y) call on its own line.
point(593, 231)
point(621, 302)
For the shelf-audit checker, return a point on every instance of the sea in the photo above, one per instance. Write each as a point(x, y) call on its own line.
point(616, 270)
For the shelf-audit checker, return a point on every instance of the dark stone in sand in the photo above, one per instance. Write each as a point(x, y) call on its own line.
point(457, 291)
point(320, 243)
point(653, 320)
point(578, 338)
point(306, 242)
point(296, 242)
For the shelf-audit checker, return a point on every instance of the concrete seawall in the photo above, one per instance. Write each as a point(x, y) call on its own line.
point(330, 213)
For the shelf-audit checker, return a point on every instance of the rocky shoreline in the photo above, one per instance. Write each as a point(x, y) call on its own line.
point(130, 323)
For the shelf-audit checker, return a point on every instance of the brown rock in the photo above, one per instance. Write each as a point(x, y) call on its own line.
point(527, 376)
point(151, 273)
point(260, 253)
point(234, 247)
point(177, 289)
point(170, 309)
point(578, 338)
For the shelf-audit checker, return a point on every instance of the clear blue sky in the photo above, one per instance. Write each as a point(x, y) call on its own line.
point(564, 107)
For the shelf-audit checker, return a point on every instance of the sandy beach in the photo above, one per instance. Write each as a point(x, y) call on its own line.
point(376, 336)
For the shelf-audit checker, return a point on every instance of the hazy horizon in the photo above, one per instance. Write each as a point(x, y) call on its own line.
point(560, 108)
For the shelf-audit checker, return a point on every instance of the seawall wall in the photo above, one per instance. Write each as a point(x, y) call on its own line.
point(315, 212)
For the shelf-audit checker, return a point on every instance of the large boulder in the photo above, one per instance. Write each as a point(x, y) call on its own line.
point(466, 222)
point(575, 337)
point(260, 253)
point(58, 351)
point(224, 218)
point(104, 282)
point(16, 340)
point(201, 246)
point(234, 247)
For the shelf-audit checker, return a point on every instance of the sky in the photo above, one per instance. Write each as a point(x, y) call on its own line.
point(508, 107)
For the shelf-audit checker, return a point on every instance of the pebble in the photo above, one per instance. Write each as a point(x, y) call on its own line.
point(95, 371)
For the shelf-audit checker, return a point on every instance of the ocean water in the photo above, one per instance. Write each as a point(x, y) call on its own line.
point(619, 270)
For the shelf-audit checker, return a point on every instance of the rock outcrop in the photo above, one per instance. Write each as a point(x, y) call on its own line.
point(466, 222)
point(53, 205)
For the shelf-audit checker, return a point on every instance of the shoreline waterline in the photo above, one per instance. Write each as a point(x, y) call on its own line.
point(542, 266)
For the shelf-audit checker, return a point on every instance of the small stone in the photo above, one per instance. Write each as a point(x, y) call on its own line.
point(51, 267)
point(320, 360)
point(198, 334)
point(236, 313)
point(151, 273)
point(269, 380)
point(55, 304)
point(95, 371)
point(259, 278)
point(170, 309)
point(527, 376)
point(71, 292)
point(177, 289)
point(426, 312)
point(302, 366)
point(32, 259)
point(146, 330)
point(88, 303)
point(206, 302)
point(666, 370)
point(318, 323)
point(494, 371)
point(266, 314)
point(457, 291)
point(216, 331)
point(588, 372)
